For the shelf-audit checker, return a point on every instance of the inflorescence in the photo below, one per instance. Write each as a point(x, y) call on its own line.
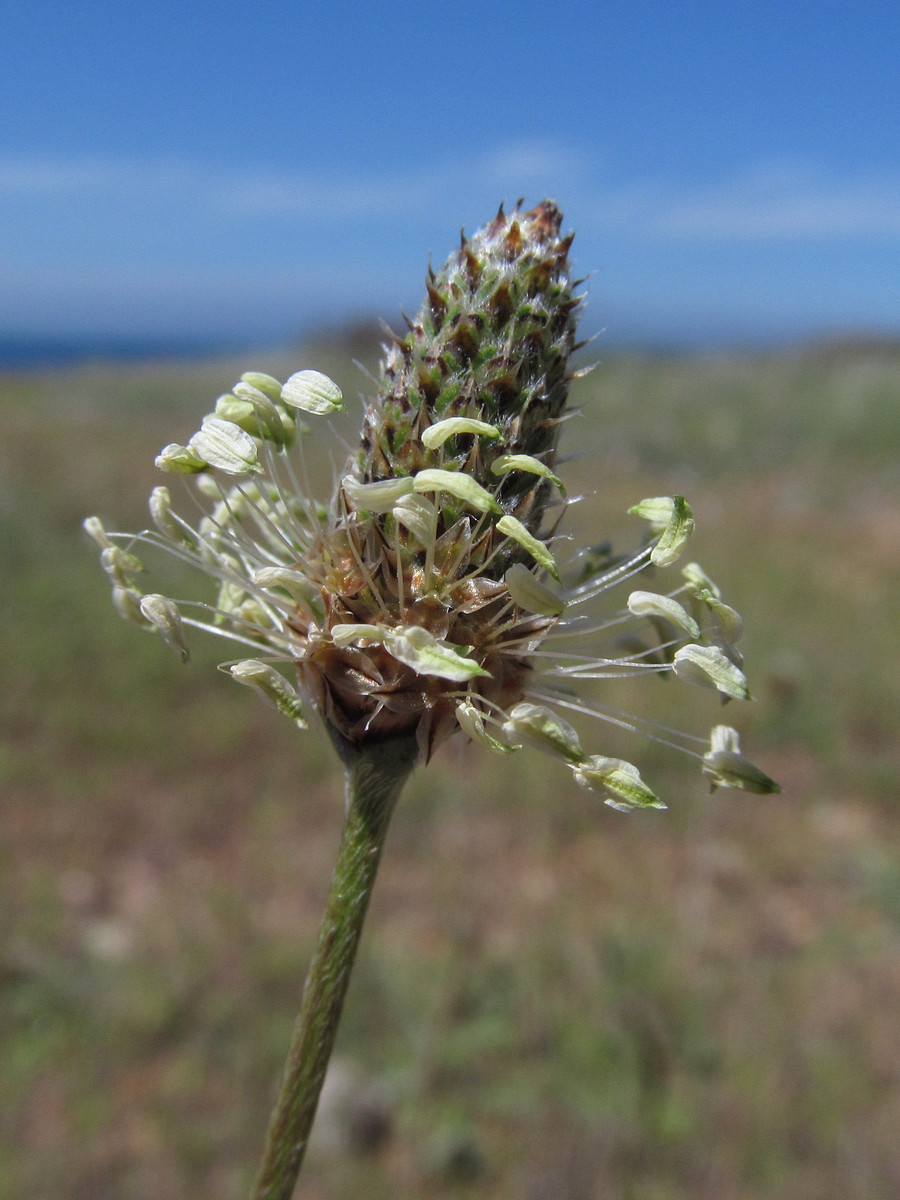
point(428, 598)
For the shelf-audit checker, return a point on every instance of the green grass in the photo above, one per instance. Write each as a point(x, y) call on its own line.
point(560, 1001)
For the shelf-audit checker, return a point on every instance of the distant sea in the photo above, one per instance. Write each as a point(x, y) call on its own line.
point(34, 353)
point(47, 353)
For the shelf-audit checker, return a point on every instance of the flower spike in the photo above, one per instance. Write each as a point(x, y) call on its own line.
point(428, 598)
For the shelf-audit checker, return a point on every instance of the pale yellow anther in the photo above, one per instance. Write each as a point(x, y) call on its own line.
point(619, 781)
point(471, 722)
point(546, 730)
point(226, 447)
point(708, 667)
point(271, 685)
point(457, 484)
point(726, 767)
point(435, 435)
point(525, 462)
point(650, 604)
point(164, 615)
point(532, 595)
point(512, 528)
point(312, 392)
point(377, 497)
point(428, 655)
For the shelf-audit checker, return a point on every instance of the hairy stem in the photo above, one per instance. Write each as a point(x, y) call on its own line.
point(375, 778)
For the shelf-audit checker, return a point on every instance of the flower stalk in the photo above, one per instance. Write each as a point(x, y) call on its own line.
point(374, 779)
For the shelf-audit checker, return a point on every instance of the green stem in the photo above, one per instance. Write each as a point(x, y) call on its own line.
point(375, 778)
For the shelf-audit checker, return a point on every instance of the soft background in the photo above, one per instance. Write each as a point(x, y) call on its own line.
point(553, 1001)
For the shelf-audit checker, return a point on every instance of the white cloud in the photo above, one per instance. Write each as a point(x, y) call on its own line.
point(525, 161)
point(296, 194)
point(773, 201)
point(36, 178)
point(289, 191)
point(523, 165)
point(767, 202)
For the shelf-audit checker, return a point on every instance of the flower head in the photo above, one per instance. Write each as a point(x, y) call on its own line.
point(428, 597)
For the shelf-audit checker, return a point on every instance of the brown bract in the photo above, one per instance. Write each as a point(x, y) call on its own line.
point(365, 692)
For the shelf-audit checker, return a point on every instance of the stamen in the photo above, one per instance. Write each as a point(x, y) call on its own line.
point(593, 587)
point(622, 720)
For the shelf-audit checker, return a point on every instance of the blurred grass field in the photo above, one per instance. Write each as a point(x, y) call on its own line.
point(553, 1001)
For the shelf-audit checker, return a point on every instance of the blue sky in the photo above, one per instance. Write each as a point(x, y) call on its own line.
point(217, 171)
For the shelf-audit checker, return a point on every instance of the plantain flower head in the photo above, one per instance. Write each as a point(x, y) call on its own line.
point(429, 596)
